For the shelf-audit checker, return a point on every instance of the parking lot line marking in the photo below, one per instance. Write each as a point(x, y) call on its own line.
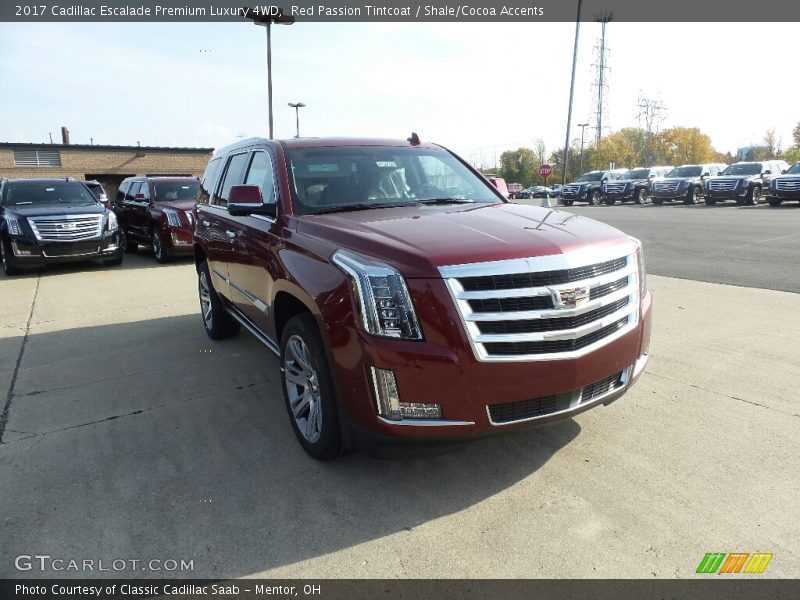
point(10, 393)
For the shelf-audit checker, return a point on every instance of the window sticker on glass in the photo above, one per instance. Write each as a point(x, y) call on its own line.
point(386, 163)
point(323, 168)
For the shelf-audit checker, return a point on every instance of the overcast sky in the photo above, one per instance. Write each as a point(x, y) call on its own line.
point(476, 88)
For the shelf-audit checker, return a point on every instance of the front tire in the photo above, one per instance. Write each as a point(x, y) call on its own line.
point(694, 195)
point(159, 250)
point(658, 201)
point(641, 196)
point(754, 195)
point(308, 388)
point(4, 256)
point(592, 198)
point(217, 322)
point(567, 202)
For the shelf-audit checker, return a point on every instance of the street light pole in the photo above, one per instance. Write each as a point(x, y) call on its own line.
point(297, 106)
point(583, 127)
point(267, 21)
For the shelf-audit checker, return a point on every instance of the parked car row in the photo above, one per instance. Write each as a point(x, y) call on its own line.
point(743, 182)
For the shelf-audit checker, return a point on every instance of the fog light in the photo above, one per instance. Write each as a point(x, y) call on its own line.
point(19, 252)
point(388, 402)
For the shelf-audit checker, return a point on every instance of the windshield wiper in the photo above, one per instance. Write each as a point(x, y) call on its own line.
point(357, 206)
point(446, 201)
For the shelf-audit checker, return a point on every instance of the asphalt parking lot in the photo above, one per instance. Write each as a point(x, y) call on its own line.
point(129, 434)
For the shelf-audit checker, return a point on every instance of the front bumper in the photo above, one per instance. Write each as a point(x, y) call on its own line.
point(734, 194)
point(445, 372)
point(29, 253)
point(619, 196)
point(178, 240)
point(784, 194)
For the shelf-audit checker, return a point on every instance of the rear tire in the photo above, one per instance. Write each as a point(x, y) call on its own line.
point(308, 388)
point(124, 241)
point(217, 322)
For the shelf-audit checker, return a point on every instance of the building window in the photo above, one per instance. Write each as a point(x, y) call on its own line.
point(37, 158)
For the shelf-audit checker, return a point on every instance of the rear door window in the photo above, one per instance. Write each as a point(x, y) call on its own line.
point(234, 175)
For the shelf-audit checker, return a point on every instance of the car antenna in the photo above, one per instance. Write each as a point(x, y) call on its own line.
point(414, 139)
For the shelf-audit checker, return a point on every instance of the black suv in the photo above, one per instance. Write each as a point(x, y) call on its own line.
point(588, 187)
point(784, 187)
point(684, 183)
point(633, 185)
point(54, 220)
point(742, 181)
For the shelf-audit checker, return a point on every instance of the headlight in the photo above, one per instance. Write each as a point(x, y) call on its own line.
point(112, 221)
point(13, 226)
point(386, 306)
point(641, 266)
point(173, 220)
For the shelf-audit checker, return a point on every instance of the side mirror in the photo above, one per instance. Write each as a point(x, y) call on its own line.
point(247, 200)
point(784, 171)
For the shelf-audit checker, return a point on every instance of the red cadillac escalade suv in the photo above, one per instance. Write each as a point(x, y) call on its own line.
point(410, 304)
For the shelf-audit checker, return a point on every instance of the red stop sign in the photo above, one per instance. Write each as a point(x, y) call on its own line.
point(545, 171)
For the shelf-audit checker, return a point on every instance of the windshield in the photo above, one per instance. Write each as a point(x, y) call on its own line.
point(48, 193)
point(593, 176)
point(331, 179)
point(794, 169)
point(691, 171)
point(175, 190)
point(743, 169)
point(637, 174)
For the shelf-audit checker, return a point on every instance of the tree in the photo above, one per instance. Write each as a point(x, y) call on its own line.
point(623, 148)
point(796, 136)
point(519, 166)
point(772, 144)
point(792, 155)
point(683, 145)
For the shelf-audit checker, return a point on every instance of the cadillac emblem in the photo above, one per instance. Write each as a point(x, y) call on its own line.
point(569, 297)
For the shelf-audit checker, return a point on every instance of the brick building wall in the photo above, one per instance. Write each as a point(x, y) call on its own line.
point(107, 164)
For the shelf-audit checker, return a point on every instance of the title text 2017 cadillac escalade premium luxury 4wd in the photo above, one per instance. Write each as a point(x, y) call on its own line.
point(44, 221)
point(408, 301)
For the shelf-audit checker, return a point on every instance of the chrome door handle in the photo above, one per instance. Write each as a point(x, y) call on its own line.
point(207, 223)
point(230, 234)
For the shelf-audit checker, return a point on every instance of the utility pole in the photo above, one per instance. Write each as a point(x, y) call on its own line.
point(571, 91)
point(603, 19)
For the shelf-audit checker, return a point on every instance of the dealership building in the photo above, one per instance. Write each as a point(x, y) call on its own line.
point(107, 164)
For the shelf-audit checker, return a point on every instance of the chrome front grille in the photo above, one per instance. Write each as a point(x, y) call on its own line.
point(615, 188)
point(722, 185)
point(787, 185)
point(666, 186)
point(548, 307)
point(67, 228)
point(570, 189)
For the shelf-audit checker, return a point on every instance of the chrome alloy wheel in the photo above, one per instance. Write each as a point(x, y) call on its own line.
point(302, 389)
point(205, 301)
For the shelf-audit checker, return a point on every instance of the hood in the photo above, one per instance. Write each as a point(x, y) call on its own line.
point(32, 210)
point(177, 204)
point(625, 181)
point(418, 239)
point(687, 178)
point(789, 176)
point(754, 176)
